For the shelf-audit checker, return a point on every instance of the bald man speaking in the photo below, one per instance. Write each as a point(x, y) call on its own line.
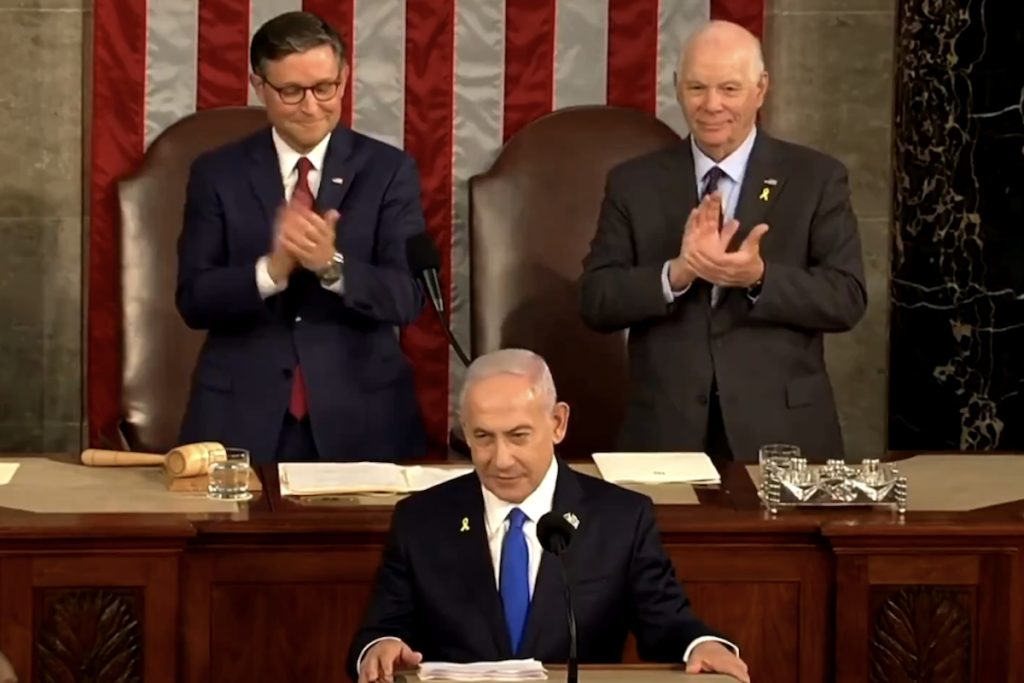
point(728, 257)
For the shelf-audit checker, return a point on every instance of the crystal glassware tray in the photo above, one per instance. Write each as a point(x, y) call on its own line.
point(791, 482)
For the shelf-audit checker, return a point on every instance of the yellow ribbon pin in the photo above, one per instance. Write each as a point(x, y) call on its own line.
point(765, 192)
point(465, 525)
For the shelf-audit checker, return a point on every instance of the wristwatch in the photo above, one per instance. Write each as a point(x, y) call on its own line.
point(754, 290)
point(332, 272)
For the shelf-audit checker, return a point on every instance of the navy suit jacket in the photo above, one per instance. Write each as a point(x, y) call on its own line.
point(362, 404)
point(436, 590)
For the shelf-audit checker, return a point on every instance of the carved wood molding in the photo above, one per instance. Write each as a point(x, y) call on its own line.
point(89, 635)
point(922, 634)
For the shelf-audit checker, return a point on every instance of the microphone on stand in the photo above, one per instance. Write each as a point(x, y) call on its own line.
point(555, 533)
point(425, 264)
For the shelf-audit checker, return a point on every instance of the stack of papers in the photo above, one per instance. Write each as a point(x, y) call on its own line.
point(657, 468)
point(319, 479)
point(508, 670)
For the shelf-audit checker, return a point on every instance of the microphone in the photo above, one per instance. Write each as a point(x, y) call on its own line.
point(425, 264)
point(555, 533)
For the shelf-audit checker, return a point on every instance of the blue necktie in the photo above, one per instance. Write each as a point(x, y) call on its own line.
point(514, 577)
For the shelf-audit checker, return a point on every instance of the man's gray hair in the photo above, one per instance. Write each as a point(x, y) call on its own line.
point(518, 362)
point(718, 26)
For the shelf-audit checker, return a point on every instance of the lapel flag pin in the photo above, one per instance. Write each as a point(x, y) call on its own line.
point(771, 181)
point(338, 181)
point(465, 525)
point(572, 519)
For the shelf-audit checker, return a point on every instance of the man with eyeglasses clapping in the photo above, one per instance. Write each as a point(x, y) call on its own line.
point(292, 259)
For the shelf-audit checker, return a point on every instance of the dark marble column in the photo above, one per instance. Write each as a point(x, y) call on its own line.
point(956, 377)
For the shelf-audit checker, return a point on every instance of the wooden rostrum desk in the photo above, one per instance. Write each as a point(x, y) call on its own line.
point(274, 591)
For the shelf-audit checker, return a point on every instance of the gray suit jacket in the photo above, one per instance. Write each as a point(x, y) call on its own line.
point(768, 355)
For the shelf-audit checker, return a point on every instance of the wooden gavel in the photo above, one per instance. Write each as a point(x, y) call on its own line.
point(184, 461)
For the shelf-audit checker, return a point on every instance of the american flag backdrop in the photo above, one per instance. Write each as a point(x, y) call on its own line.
point(447, 80)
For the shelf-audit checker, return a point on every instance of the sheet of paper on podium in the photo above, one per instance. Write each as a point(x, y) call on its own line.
point(326, 478)
point(506, 670)
point(657, 468)
point(7, 470)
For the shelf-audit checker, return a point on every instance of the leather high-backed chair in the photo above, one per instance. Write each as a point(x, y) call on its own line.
point(159, 351)
point(532, 217)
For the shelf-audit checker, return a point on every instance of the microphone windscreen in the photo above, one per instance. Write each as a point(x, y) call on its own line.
point(422, 253)
point(554, 532)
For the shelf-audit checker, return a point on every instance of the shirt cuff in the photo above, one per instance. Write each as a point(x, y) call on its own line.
point(362, 653)
point(698, 641)
point(264, 283)
point(666, 286)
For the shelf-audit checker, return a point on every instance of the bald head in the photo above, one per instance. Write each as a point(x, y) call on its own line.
point(721, 84)
point(724, 38)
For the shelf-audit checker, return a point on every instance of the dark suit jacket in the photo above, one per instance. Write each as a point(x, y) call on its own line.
point(767, 357)
point(436, 590)
point(362, 404)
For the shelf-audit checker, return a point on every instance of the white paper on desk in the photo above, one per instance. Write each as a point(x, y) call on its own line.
point(320, 478)
point(507, 670)
point(314, 478)
point(421, 477)
point(657, 468)
point(7, 470)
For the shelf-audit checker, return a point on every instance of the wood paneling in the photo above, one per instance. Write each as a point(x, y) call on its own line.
point(276, 593)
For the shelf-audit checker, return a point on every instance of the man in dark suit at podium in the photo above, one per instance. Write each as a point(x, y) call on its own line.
point(292, 258)
point(463, 577)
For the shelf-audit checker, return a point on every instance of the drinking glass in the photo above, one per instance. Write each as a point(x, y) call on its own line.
point(776, 456)
point(229, 475)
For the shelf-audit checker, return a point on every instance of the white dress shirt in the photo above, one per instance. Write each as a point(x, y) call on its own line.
point(288, 160)
point(735, 168)
point(535, 506)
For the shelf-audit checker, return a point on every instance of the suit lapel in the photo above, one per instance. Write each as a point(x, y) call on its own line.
point(681, 175)
point(546, 622)
point(475, 563)
point(340, 166)
point(762, 184)
point(265, 175)
point(680, 190)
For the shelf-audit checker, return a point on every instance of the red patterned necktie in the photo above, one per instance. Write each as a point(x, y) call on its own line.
point(298, 404)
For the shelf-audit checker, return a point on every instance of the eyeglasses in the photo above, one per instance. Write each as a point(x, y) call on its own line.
point(294, 94)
